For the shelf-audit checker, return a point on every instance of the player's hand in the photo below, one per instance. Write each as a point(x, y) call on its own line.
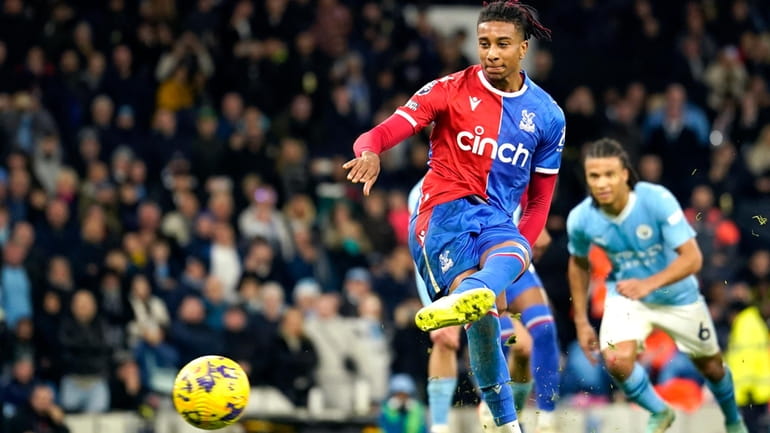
point(586, 336)
point(541, 244)
point(449, 337)
point(364, 169)
point(634, 288)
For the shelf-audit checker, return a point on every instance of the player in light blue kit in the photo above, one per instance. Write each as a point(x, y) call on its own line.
point(535, 353)
point(652, 284)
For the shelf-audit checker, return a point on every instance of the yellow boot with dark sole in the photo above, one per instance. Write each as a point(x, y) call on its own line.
point(456, 309)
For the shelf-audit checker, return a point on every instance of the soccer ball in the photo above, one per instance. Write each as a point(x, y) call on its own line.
point(211, 392)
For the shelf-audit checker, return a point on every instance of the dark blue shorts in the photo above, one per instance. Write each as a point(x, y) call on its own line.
point(451, 238)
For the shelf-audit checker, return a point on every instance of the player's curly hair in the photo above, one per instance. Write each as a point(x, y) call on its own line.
point(523, 16)
point(609, 148)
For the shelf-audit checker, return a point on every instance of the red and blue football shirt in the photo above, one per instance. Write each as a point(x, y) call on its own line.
point(485, 142)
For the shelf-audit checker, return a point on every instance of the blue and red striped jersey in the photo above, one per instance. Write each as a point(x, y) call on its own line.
point(484, 141)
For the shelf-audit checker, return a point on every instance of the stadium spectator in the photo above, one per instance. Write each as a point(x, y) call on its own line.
point(178, 223)
point(242, 342)
point(27, 121)
point(376, 225)
point(758, 153)
point(190, 334)
point(263, 219)
point(149, 311)
point(157, 361)
point(373, 340)
point(47, 161)
point(215, 302)
point(726, 79)
point(126, 390)
point(47, 321)
point(86, 357)
point(394, 283)
point(717, 236)
point(294, 359)
point(334, 340)
point(409, 344)
point(207, 148)
point(15, 286)
point(728, 176)
point(225, 260)
point(17, 389)
point(291, 161)
point(163, 270)
point(115, 307)
point(19, 343)
point(40, 413)
point(355, 287)
point(58, 232)
point(272, 304)
point(262, 262)
point(402, 412)
point(622, 126)
point(19, 191)
point(305, 296)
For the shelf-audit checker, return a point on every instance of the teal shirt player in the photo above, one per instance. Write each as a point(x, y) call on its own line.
point(640, 241)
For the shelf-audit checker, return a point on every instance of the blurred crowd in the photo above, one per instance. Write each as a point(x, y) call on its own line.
point(171, 182)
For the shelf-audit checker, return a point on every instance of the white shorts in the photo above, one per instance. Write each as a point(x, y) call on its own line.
point(690, 325)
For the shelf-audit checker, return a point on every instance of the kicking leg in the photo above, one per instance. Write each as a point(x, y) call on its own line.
point(442, 368)
point(476, 294)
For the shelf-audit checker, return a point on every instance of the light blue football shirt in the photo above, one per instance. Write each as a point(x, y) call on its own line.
point(640, 241)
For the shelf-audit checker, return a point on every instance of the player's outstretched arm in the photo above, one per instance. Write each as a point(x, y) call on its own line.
point(365, 167)
point(688, 262)
point(578, 273)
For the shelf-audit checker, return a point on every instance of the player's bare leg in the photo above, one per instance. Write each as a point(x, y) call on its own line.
point(720, 382)
point(620, 360)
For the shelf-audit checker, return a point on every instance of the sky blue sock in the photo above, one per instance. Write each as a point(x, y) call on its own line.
point(490, 368)
point(639, 390)
point(545, 355)
point(441, 390)
point(724, 393)
point(501, 268)
point(520, 393)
